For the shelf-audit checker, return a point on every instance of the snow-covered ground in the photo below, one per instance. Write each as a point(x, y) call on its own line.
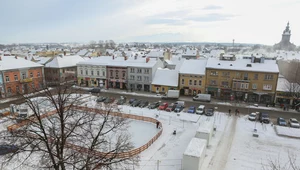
point(287, 131)
point(232, 146)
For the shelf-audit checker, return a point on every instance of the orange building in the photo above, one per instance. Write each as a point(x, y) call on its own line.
point(19, 76)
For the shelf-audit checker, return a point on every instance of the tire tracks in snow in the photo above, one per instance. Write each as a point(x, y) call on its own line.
point(219, 159)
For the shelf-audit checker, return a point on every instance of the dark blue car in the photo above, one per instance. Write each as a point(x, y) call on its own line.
point(6, 149)
point(192, 109)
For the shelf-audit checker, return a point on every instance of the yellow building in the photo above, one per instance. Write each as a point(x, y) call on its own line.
point(164, 80)
point(251, 79)
point(192, 77)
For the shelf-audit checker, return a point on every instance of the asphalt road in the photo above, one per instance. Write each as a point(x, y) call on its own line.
point(274, 114)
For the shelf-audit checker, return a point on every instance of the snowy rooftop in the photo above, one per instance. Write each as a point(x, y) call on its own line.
point(64, 61)
point(269, 66)
point(195, 147)
point(189, 52)
point(12, 62)
point(155, 54)
point(193, 67)
point(166, 77)
point(120, 61)
point(285, 86)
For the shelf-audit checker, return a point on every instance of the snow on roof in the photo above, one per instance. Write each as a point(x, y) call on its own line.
point(119, 61)
point(166, 77)
point(195, 147)
point(193, 67)
point(10, 62)
point(82, 52)
point(284, 85)
point(189, 52)
point(155, 54)
point(64, 61)
point(269, 66)
point(42, 60)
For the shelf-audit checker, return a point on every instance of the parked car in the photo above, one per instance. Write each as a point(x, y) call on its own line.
point(200, 110)
point(143, 103)
point(294, 123)
point(6, 149)
point(171, 107)
point(136, 103)
point(163, 106)
point(180, 103)
point(192, 109)
point(154, 105)
point(281, 122)
point(252, 116)
point(209, 112)
point(178, 108)
point(122, 100)
point(101, 99)
point(109, 100)
point(95, 90)
point(132, 100)
point(264, 117)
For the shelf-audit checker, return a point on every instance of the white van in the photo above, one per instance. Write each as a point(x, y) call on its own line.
point(181, 103)
point(200, 110)
point(202, 97)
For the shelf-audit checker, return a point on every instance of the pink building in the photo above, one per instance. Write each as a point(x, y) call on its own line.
point(117, 77)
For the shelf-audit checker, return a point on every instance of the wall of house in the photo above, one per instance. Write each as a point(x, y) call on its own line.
point(116, 77)
point(138, 77)
point(222, 83)
point(191, 84)
point(91, 76)
point(161, 89)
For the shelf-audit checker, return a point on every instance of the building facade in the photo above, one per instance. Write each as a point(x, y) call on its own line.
point(20, 76)
point(165, 80)
point(192, 77)
point(117, 77)
point(91, 75)
point(253, 80)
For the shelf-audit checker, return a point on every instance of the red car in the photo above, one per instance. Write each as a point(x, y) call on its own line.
point(171, 107)
point(163, 106)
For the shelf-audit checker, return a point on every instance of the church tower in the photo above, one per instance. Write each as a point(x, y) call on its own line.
point(286, 35)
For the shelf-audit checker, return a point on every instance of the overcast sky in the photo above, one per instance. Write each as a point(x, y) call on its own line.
point(251, 21)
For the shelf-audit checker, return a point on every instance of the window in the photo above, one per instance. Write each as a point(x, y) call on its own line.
point(98, 73)
point(31, 75)
point(86, 72)
point(246, 86)
point(81, 72)
point(9, 90)
point(213, 82)
point(139, 70)
point(139, 78)
point(131, 70)
point(38, 74)
point(92, 72)
point(182, 81)
point(195, 82)
point(237, 74)
point(268, 77)
point(124, 74)
point(131, 77)
point(117, 73)
point(23, 76)
point(267, 87)
point(146, 71)
point(16, 78)
point(200, 82)
point(146, 78)
point(163, 89)
point(245, 76)
point(254, 86)
point(224, 83)
point(18, 89)
point(190, 82)
point(226, 74)
point(213, 73)
point(7, 78)
point(255, 77)
point(111, 73)
point(103, 73)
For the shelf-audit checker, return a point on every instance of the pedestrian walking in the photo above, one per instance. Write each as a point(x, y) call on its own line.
point(157, 124)
point(229, 111)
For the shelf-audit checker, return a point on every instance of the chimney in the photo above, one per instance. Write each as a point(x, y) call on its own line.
point(125, 58)
point(65, 53)
point(135, 57)
point(16, 57)
point(147, 59)
point(113, 57)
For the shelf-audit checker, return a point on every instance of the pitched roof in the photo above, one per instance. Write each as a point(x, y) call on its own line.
point(64, 61)
point(166, 77)
point(269, 66)
point(193, 67)
point(12, 62)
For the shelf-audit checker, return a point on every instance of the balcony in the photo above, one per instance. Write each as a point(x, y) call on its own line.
point(247, 80)
point(27, 80)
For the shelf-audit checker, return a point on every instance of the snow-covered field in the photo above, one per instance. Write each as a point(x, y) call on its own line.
point(287, 131)
point(232, 146)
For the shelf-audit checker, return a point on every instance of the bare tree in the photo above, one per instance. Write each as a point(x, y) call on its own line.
point(69, 138)
point(278, 164)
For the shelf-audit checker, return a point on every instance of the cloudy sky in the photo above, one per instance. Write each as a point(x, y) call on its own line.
point(251, 21)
